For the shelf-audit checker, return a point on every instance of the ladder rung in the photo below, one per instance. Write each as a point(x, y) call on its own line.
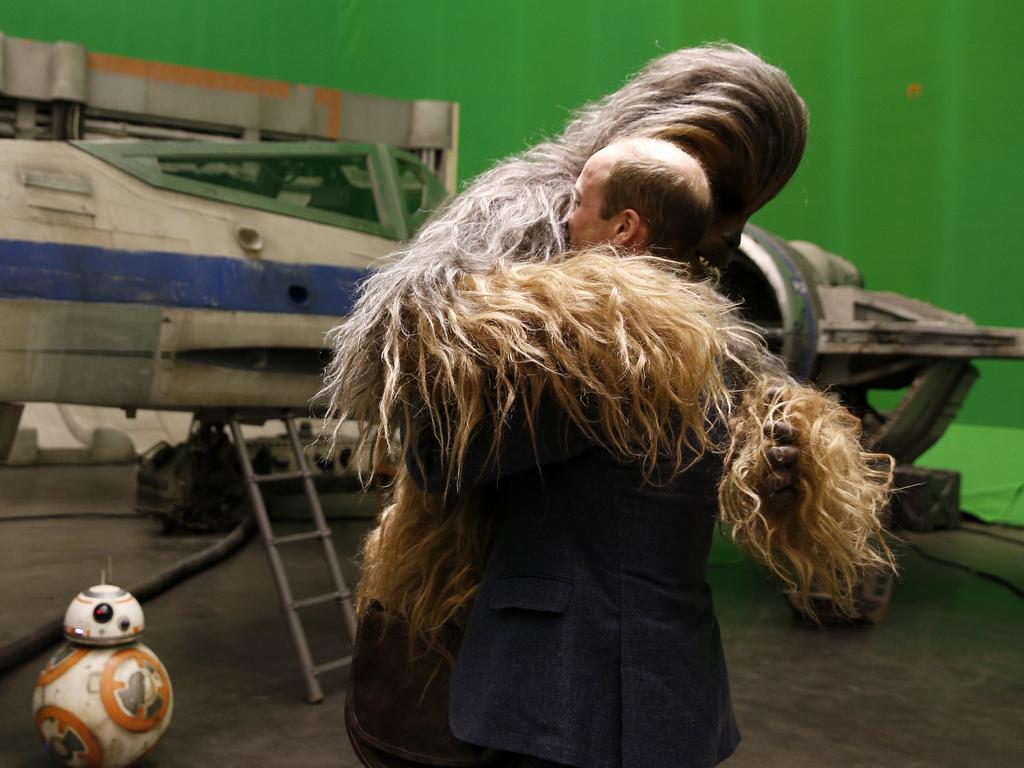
point(306, 536)
point(341, 594)
point(327, 666)
point(276, 476)
point(307, 601)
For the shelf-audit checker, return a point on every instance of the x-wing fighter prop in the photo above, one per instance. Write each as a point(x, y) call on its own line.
point(176, 238)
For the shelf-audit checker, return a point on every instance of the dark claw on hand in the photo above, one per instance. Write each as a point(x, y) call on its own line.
point(780, 480)
point(780, 432)
point(783, 456)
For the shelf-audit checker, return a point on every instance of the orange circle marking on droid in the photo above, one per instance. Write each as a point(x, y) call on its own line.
point(51, 673)
point(65, 720)
point(135, 721)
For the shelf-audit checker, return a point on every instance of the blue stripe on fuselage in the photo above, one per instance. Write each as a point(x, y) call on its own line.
point(63, 272)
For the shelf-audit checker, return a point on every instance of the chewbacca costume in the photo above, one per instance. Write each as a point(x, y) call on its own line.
point(565, 430)
point(571, 427)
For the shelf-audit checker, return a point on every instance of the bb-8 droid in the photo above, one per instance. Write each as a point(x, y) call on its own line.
point(104, 699)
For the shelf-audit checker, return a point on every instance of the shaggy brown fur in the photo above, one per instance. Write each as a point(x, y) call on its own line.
point(632, 351)
point(424, 560)
point(746, 124)
point(832, 535)
point(636, 355)
point(622, 334)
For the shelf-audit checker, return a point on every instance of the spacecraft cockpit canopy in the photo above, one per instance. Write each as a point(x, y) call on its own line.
point(373, 188)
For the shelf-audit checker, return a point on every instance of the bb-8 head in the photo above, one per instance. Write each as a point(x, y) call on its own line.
point(104, 615)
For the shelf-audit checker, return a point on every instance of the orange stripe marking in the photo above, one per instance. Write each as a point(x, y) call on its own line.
point(50, 674)
point(135, 722)
point(331, 101)
point(175, 73)
point(94, 754)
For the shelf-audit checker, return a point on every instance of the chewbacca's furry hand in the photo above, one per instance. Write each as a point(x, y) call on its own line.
point(783, 459)
point(830, 535)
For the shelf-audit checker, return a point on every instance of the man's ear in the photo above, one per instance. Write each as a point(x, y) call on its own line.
point(630, 230)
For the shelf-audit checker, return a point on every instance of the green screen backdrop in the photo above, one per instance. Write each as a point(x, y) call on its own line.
point(913, 170)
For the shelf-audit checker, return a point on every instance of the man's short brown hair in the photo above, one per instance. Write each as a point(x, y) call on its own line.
point(674, 202)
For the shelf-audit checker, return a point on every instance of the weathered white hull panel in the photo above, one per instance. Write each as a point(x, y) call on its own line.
point(116, 293)
point(136, 356)
point(122, 212)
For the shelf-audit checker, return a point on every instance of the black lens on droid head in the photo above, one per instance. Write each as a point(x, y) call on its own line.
point(124, 624)
point(103, 613)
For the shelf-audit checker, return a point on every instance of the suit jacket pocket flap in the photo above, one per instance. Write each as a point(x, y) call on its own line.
point(532, 593)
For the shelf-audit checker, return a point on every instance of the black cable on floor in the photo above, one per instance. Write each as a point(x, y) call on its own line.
point(24, 648)
point(1007, 539)
point(71, 516)
point(967, 569)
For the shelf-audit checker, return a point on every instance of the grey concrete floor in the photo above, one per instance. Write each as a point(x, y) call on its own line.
point(939, 683)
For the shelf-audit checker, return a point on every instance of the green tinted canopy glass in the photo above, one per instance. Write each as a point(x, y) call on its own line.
point(419, 189)
point(372, 188)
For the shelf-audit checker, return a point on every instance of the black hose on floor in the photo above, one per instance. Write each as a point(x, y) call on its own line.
point(979, 532)
point(24, 648)
point(1006, 583)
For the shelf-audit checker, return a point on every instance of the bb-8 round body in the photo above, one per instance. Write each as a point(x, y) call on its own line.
point(104, 699)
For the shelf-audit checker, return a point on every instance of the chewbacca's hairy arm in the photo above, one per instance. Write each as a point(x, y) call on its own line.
point(548, 437)
point(828, 534)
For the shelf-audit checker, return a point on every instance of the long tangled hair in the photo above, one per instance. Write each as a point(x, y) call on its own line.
point(737, 114)
point(831, 536)
point(634, 352)
point(481, 315)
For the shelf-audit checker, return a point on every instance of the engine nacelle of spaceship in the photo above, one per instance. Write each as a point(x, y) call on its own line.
point(815, 312)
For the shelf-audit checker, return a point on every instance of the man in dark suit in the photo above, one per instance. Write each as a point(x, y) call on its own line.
point(593, 641)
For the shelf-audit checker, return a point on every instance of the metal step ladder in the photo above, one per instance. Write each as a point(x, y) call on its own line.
point(339, 593)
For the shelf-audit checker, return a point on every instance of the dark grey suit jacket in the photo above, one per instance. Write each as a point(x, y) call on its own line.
point(593, 640)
